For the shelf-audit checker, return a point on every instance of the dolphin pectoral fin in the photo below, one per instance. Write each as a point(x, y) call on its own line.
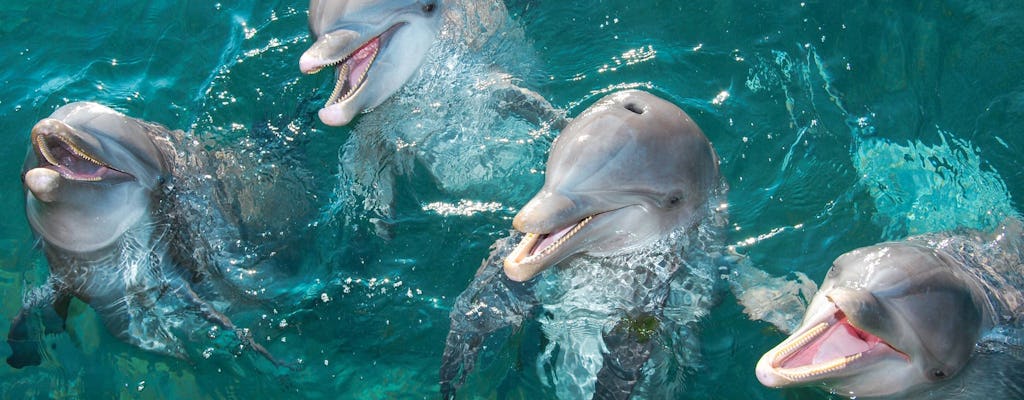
point(211, 314)
point(24, 337)
point(26, 349)
point(528, 105)
point(491, 303)
point(776, 300)
point(459, 358)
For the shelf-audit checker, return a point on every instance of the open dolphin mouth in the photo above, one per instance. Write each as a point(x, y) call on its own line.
point(353, 68)
point(535, 247)
point(60, 153)
point(826, 349)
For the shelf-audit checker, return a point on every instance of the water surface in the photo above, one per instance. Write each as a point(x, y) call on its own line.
point(817, 109)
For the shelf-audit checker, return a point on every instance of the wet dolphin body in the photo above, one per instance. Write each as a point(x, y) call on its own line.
point(100, 192)
point(933, 316)
point(623, 180)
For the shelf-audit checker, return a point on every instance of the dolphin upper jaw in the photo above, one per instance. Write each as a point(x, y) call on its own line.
point(61, 148)
point(329, 50)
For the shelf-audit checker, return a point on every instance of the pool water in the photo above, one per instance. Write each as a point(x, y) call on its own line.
point(838, 124)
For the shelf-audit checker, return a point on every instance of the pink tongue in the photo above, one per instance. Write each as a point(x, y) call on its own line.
point(550, 238)
point(840, 340)
point(843, 342)
point(360, 60)
point(72, 165)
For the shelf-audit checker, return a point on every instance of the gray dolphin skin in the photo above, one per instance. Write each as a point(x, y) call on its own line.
point(932, 316)
point(99, 193)
point(622, 177)
point(647, 170)
point(375, 46)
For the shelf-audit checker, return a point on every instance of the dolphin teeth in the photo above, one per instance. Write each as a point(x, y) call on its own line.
point(44, 150)
point(807, 371)
point(558, 243)
point(353, 84)
point(343, 75)
point(362, 77)
point(318, 69)
point(799, 342)
point(524, 246)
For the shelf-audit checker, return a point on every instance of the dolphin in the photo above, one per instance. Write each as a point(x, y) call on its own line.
point(917, 318)
point(102, 193)
point(623, 180)
point(374, 46)
point(646, 170)
point(435, 78)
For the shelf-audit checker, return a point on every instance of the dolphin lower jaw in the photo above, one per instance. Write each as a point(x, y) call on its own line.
point(56, 150)
point(351, 73)
point(538, 251)
point(832, 348)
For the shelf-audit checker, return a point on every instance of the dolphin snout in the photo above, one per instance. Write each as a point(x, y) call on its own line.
point(327, 50)
point(48, 127)
point(545, 213)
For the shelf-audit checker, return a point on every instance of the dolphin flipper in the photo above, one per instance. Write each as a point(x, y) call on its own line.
point(527, 104)
point(776, 300)
point(491, 302)
point(24, 337)
point(209, 313)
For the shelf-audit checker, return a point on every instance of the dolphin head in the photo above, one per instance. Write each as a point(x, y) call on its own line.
point(89, 176)
point(628, 171)
point(374, 45)
point(889, 319)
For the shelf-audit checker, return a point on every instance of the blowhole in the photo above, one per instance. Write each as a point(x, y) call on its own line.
point(634, 108)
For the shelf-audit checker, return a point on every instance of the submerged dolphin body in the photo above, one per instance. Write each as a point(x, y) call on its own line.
point(106, 194)
point(626, 196)
point(932, 316)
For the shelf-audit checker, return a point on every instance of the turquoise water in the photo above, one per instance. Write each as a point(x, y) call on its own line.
point(839, 124)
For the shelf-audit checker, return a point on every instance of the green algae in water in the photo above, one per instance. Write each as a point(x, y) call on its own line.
point(643, 327)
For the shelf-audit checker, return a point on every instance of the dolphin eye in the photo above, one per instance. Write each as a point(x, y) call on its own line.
point(673, 199)
point(429, 7)
point(938, 374)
